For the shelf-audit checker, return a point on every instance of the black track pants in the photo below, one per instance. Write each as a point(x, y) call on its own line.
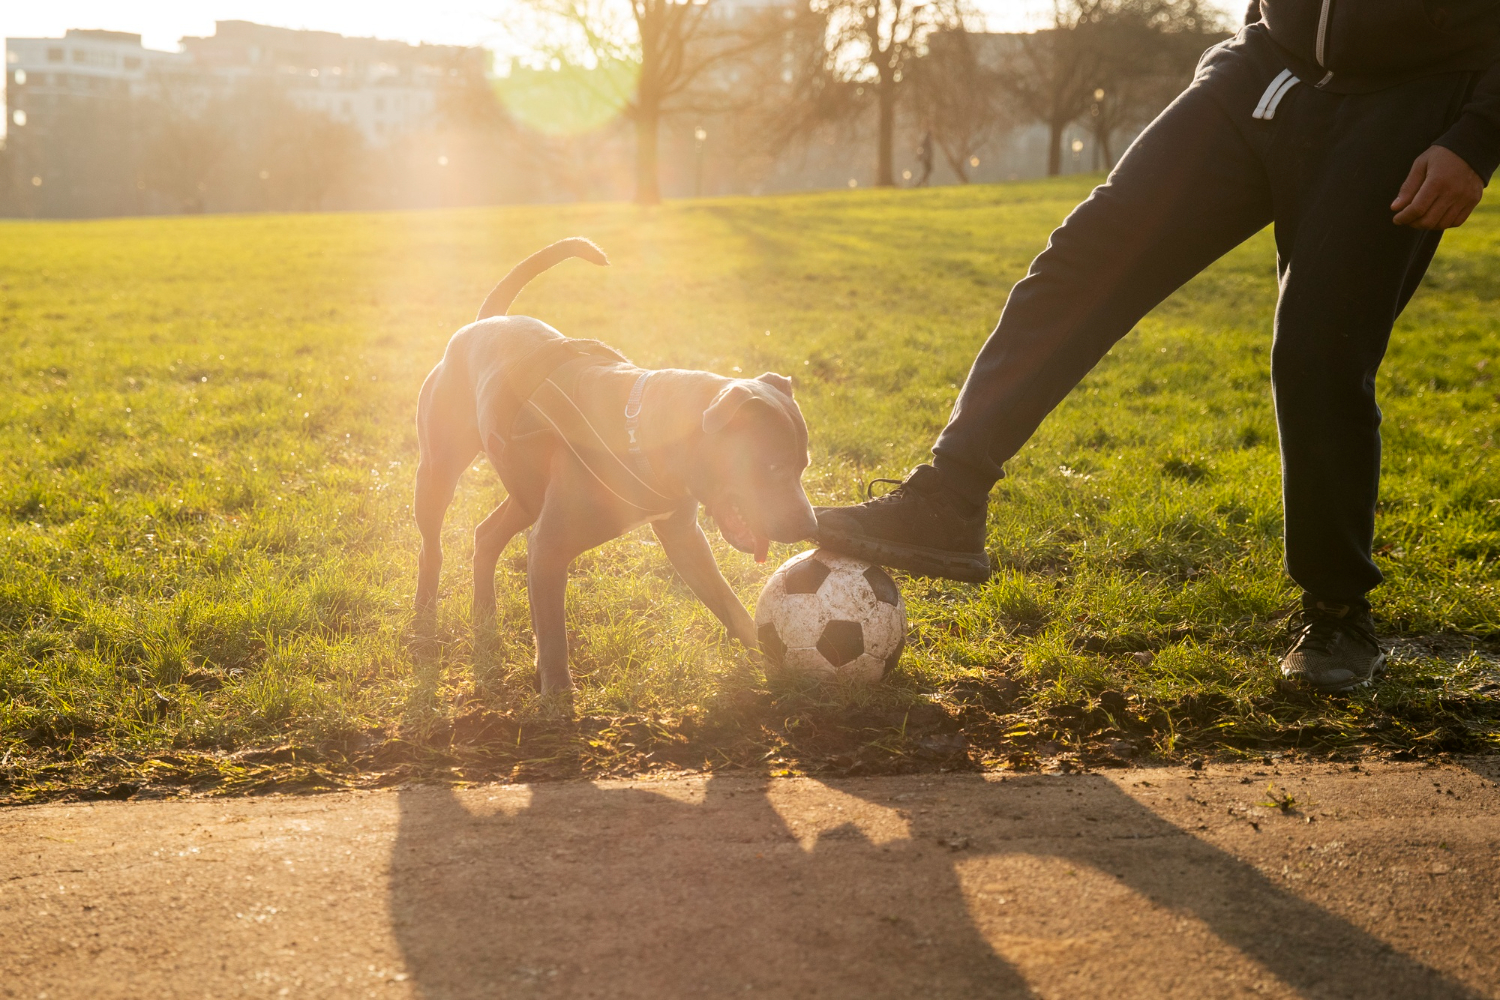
point(1203, 177)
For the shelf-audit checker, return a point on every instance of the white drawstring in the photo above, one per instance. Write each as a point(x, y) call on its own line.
point(1266, 109)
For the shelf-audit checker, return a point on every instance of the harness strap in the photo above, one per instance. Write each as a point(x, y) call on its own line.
point(633, 424)
point(527, 373)
point(529, 381)
point(574, 426)
point(563, 436)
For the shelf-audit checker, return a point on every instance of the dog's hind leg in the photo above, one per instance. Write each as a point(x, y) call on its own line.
point(552, 549)
point(574, 518)
point(447, 440)
point(436, 482)
point(490, 539)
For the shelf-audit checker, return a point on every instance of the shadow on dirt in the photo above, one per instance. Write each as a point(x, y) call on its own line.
point(581, 890)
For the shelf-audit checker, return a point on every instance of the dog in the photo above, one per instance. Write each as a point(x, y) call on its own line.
point(589, 447)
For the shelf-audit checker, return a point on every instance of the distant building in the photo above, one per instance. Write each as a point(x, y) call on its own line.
point(382, 88)
point(70, 114)
point(75, 105)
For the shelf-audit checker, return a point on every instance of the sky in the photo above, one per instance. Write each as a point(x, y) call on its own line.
point(453, 22)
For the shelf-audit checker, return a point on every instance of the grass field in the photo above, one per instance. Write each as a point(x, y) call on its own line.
point(208, 556)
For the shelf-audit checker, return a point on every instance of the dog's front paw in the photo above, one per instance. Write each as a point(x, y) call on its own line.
point(555, 681)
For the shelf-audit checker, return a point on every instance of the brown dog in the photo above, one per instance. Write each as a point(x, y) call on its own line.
point(590, 446)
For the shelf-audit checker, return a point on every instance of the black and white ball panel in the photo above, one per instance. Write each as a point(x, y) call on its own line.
point(841, 642)
point(882, 586)
point(828, 615)
point(805, 577)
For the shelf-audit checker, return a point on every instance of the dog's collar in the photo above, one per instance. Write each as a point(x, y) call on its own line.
point(633, 426)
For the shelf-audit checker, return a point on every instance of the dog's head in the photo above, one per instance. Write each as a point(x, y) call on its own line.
point(749, 474)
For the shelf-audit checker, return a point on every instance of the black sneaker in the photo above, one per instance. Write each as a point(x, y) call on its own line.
point(1336, 649)
point(921, 526)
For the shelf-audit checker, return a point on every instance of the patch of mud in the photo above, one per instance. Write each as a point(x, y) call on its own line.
point(1450, 647)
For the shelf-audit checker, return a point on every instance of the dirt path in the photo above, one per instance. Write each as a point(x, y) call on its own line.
point(1383, 882)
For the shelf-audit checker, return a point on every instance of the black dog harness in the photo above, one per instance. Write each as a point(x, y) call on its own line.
point(541, 385)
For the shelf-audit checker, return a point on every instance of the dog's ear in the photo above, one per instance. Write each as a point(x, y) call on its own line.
point(725, 405)
point(780, 383)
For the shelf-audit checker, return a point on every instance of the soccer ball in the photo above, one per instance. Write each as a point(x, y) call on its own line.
point(827, 616)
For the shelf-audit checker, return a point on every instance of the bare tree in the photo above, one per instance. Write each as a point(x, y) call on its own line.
point(955, 98)
point(668, 44)
point(1115, 46)
point(790, 88)
point(1050, 74)
point(875, 43)
point(1147, 52)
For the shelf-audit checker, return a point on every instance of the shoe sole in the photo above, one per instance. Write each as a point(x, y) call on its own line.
point(1375, 671)
point(914, 559)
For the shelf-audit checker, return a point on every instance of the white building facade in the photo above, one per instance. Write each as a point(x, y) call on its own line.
point(76, 106)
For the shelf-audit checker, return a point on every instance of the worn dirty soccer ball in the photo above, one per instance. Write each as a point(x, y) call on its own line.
point(827, 616)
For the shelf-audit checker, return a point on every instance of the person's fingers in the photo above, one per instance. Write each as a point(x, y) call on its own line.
point(1467, 203)
point(1438, 192)
point(1457, 215)
point(1412, 185)
point(1420, 206)
point(1437, 215)
point(1441, 221)
point(1456, 212)
point(1416, 216)
point(1433, 218)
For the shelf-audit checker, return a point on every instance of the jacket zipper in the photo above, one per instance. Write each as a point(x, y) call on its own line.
point(1322, 41)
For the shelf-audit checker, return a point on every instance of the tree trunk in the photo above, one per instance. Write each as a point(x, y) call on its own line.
point(1100, 131)
point(885, 175)
point(1054, 149)
point(959, 165)
point(647, 127)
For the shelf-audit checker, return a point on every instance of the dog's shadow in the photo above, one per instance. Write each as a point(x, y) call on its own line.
point(704, 890)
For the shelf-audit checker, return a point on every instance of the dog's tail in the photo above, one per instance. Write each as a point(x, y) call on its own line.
point(499, 300)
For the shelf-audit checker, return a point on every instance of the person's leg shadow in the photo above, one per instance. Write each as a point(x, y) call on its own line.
point(617, 892)
point(612, 891)
point(1174, 911)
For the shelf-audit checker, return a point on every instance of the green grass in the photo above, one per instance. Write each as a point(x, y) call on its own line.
point(206, 456)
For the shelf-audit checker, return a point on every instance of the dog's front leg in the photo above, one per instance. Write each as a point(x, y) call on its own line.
point(693, 558)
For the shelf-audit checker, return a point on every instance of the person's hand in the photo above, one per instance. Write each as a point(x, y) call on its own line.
point(1439, 193)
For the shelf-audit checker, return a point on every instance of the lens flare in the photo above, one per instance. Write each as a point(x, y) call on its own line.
point(564, 100)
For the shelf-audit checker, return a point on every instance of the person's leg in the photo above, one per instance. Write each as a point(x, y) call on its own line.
point(1190, 188)
point(1346, 271)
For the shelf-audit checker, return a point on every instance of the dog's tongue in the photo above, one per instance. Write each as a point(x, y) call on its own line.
point(762, 546)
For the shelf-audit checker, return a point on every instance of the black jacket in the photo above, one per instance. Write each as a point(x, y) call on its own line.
point(1355, 46)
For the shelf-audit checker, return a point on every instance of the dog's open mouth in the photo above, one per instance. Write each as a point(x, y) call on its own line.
point(737, 531)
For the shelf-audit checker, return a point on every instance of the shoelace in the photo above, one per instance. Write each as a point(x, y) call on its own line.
point(1318, 629)
point(870, 489)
